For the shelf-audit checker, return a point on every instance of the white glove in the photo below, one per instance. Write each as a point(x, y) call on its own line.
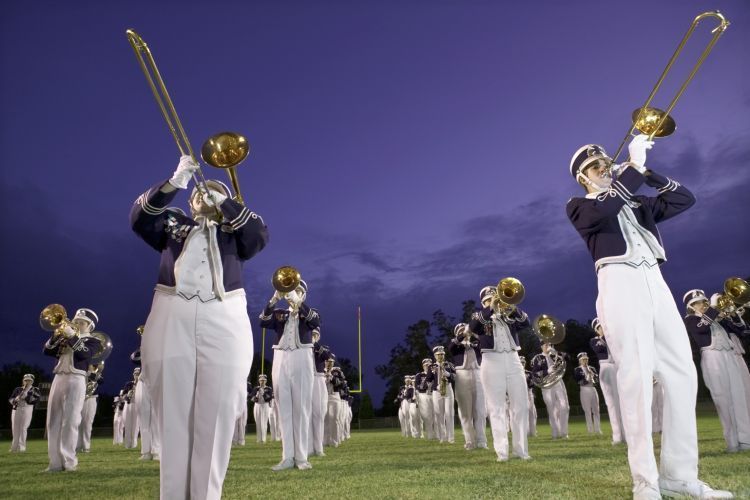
point(293, 298)
point(184, 172)
point(275, 297)
point(637, 149)
point(214, 196)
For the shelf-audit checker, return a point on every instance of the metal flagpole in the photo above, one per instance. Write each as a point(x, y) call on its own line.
point(359, 347)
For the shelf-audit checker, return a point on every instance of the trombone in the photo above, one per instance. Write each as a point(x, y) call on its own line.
point(653, 121)
point(224, 150)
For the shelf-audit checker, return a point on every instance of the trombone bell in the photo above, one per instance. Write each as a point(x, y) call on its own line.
point(225, 150)
point(653, 122)
point(549, 329)
point(738, 289)
point(510, 291)
point(286, 279)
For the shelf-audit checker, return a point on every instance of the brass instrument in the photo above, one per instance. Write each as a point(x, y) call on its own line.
point(549, 329)
point(139, 330)
point(653, 121)
point(555, 371)
point(225, 150)
point(442, 382)
point(509, 293)
point(92, 385)
point(738, 290)
point(286, 279)
point(54, 318)
point(105, 348)
point(589, 375)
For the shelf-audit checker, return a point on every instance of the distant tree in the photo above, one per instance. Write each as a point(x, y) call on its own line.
point(444, 325)
point(406, 359)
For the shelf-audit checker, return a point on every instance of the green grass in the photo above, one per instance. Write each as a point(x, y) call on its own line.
point(380, 464)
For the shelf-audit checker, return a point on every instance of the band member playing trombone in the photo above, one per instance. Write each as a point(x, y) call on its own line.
point(293, 370)
point(497, 325)
point(423, 384)
point(22, 401)
point(586, 378)
point(74, 347)
point(466, 356)
point(708, 328)
point(262, 397)
point(442, 376)
point(645, 332)
point(197, 344)
point(608, 381)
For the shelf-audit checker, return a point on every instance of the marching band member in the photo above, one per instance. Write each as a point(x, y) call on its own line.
point(501, 372)
point(423, 383)
point(343, 414)
point(412, 412)
point(197, 345)
point(555, 396)
point(293, 372)
point(466, 356)
point(708, 329)
point(402, 408)
point(68, 391)
point(319, 397)
point(22, 401)
point(442, 376)
point(334, 381)
point(118, 406)
point(131, 418)
point(148, 424)
point(532, 399)
point(262, 397)
point(644, 330)
point(586, 378)
point(737, 328)
point(608, 381)
point(88, 412)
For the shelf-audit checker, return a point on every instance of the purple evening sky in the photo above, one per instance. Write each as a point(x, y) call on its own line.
point(404, 154)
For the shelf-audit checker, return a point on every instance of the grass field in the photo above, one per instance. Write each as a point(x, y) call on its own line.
point(380, 464)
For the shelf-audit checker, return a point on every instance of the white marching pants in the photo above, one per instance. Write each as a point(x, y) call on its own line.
point(332, 437)
point(196, 357)
point(148, 425)
point(63, 419)
point(131, 423)
point(402, 417)
point(646, 334)
point(318, 414)
point(292, 387)
point(20, 418)
point(240, 426)
point(424, 402)
point(117, 437)
point(724, 380)
point(443, 413)
point(261, 412)
point(472, 410)
point(502, 374)
point(87, 422)
point(274, 421)
point(608, 382)
point(532, 413)
point(590, 405)
point(341, 420)
point(413, 419)
point(657, 407)
point(558, 409)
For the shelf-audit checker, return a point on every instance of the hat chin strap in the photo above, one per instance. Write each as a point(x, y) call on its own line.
point(597, 187)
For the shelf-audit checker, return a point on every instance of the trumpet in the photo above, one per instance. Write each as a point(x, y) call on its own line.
point(224, 150)
point(655, 122)
point(54, 318)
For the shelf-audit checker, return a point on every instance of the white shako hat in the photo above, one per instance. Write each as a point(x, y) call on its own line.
point(438, 349)
point(583, 355)
point(87, 314)
point(29, 376)
point(693, 296)
point(585, 156)
point(426, 361)
point(216, 186)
